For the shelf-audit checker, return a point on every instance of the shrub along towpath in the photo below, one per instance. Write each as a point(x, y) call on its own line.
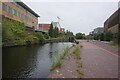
point(71, 67)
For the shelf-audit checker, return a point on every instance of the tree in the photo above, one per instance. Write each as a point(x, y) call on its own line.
point(56, 32)
point(69, 33)
point(79, 36)
point(101, 37)
point(51, 33)
point(96, 37)
point(108, 36)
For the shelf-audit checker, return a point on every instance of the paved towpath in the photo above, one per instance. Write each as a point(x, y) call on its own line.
point(68, 68)
point(98, 62)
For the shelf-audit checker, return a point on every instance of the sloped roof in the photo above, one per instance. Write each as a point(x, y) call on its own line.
point(27, 8)
point(55, 24)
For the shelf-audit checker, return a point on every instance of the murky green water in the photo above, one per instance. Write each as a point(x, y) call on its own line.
point(30, 62)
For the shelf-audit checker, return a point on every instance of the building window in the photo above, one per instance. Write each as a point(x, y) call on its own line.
point(19, 14)
point(22, 17)
point(15, 12)
point(26, 18)
point(16, 4)
point(4, 7)
point(10, 10)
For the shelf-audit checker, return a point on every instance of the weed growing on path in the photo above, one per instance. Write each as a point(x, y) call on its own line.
point(57, 62)
point(77, 53)
point(77, 57)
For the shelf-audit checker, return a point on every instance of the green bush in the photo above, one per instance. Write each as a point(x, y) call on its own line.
point(108, 36)
point(80, 36)
point(46, 35)
point(101, 37)
point(14, 33)
point(96, 37)
point(40, 36)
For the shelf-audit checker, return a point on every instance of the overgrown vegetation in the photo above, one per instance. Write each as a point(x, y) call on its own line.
point(77, 53)
point(77, 57)
point(107, 36)
point(80, 36)
point(53, 32)
point(14, 34)
point(57, 62)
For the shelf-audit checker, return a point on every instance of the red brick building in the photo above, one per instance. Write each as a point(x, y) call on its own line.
point(20, 12)
point(44, 27)
point(61, 30)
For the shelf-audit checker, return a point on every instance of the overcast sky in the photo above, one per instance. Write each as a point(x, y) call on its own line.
point(75, 16)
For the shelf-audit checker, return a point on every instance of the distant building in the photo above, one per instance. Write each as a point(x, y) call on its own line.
point(91, 33)
point(61, 30)
point(98, 30)
point(43, 27)
point(112, 23)
point(20, 12)
point(55, 24)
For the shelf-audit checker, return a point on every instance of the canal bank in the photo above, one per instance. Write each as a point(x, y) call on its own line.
point(53, 40)
point(71, 66)
point(14, 33)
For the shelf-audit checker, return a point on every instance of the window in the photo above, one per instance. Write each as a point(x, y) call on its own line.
point(19, 14)
point(26, 18)
point(16, 4)
point(15, 12)
point(30, 14)
point(4, 7)
point(10, 10)
point(22, 16)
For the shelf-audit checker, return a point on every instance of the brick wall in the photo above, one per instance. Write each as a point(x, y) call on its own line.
point(44, 27)
point(11, 16)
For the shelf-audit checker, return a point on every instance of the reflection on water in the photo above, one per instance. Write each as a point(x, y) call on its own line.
point(30, 62)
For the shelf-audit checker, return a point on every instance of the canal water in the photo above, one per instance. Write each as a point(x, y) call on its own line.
point(30, 62)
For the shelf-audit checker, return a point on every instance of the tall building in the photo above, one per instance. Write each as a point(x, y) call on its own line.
point(20, 12)
point(112, 23)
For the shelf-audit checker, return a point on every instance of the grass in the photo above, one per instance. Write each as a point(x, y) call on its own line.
point(80, 73)
point(57, 62)
point(81, 46)
point(77, 53)
point(115, 44)
point(73, 45)
point(77, 57)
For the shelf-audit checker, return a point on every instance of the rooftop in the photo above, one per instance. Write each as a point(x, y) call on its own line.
point(27, 8)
